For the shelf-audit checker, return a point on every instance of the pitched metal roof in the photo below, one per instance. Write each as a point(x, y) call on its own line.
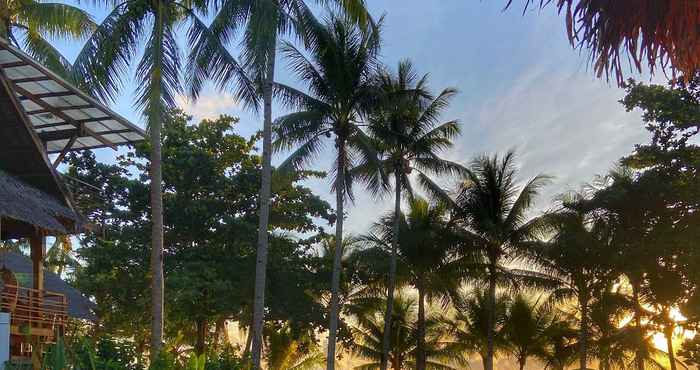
point(64, 117)
point(29, 205)
point(78, 305)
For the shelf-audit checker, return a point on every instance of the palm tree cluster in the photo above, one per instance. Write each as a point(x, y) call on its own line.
point(602, 269)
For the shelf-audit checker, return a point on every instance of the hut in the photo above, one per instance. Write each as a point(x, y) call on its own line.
point(42, 115)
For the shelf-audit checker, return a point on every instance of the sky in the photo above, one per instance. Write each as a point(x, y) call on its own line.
point(521, 87)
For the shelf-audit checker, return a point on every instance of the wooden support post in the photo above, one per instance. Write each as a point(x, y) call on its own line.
point(38, 252)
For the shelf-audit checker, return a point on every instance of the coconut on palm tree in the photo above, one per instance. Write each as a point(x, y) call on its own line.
point(409, 136)
point(339, 76)
point(27, 24)
point(263, 22)
point(106, 56)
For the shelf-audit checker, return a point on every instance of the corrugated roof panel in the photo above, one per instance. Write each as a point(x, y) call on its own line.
point(56, 108)
point(7, 57)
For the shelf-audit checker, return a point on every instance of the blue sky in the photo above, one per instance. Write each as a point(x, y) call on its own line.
point(521, 87)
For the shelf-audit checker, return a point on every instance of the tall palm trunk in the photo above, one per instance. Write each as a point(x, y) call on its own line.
point(639, 355)
point(155, 122)
point(668, 333)
point(421, 359)
point(583, 331)
point(391, 285)
point(264, 212)
point(337, 257)
point(200, 345)
point(491, 335)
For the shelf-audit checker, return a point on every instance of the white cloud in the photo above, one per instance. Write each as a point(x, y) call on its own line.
point(210, 104)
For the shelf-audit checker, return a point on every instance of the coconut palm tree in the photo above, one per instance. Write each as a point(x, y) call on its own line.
point(339, 76)
point(369, 338)
point(575, 255)
point(477, 326)
point(560, 347)
point(525, 328)
point(287, 350)
point(408, 135)
point(658, 33)
point(492, 211)
point(426, 257)
point(106, 56)
point(262, 22)
point(27, 24)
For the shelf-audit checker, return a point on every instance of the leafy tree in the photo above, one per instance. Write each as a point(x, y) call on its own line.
point(338, 74)
point(263, 22)
point(408, 135)
point(287, 350)
point(211, 179)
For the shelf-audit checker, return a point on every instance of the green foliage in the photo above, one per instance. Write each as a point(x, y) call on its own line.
point(211, 178)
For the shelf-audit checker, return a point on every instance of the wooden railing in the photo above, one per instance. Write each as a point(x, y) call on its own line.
point(34, 312)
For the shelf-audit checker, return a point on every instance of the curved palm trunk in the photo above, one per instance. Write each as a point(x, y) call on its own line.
point(155, 123)
point(264, 213)
point(421, 358)
point(337, 257)
point(583, 331)
point(391, 285)
point(491, 335)
point(639, 355)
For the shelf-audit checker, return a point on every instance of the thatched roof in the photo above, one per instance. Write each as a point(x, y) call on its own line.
point(79, 306)
point(23, 203)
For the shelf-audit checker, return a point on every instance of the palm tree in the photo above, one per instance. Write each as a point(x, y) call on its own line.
point(477, 326)
point(492, 210)
point(560, 346)
point(106, 56)
point(575, 255)
point(263, 22)
point(338, 74)
point(525, 328)
point(425, 258)
point(287, 350)
point(33, 21)
point(369, 338)
point(408, 135)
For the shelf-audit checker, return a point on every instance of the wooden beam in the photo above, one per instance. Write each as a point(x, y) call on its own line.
point(31, 79)
point(45, 95)
point(70, 107)
point(59, 135)
point(65, 150)
point(66, 118)
point(37, 243)
point(14, 64)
